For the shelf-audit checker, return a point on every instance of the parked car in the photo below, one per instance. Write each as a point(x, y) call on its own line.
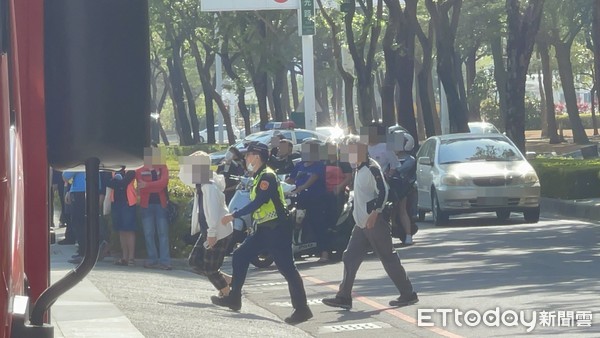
point(466, 173)
point(483, 128)
point(204, 134)
point(297, 136)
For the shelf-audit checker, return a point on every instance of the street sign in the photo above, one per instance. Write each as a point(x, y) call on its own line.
point(307, 17)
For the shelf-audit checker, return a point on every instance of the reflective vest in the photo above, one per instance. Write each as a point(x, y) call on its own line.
point(267, 211)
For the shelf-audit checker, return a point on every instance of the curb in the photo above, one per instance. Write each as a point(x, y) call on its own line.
point(586, 209)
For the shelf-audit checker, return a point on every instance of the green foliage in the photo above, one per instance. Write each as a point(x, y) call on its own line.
point(567, 178)
point(490, 112)
point(586, 119)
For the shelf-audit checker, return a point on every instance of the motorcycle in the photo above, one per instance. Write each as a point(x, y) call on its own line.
point(303, 240)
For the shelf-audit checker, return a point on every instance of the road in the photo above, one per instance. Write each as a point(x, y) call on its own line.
point(474, 263)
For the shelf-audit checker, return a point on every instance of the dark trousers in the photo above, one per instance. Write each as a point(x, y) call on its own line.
point(316, 219)
point(379, 240)
point(212, 260)
point(78, 219)
point(278, 242)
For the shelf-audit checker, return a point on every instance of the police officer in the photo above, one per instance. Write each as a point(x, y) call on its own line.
point(273, 233)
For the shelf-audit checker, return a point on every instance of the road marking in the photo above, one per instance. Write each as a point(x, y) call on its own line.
point(353, 327)
point(387, 309)
point(289, 304)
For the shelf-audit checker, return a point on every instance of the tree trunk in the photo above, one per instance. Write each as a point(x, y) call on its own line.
point(551, 131)
point(596, 42)
point(278, 80)
point(260, 89)
point(240, 90)
point(294, 84)
point(499, 76)
point(472, 99)
point(593, 110)
point(445, 28)
point(425, 81)
point(522, 29)
point(543, 109)
point(184, 131)
point(565, 70)
point(191, 103)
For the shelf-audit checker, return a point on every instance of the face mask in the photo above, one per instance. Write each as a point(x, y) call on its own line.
point(251, 167)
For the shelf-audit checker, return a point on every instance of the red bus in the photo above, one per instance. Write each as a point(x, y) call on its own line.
point(74, 95)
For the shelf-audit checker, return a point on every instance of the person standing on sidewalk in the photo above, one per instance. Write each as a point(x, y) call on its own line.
point(273, 233)
point(76, 198)
point(124, 201)
point(371, 231)
point(152, 181)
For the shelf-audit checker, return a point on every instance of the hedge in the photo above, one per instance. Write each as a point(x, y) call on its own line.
point(567, 178)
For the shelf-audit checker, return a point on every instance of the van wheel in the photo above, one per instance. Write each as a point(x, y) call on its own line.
point(439, 217)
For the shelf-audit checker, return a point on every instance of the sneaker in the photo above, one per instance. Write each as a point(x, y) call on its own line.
point(234, 303)
point(66, 242)
point(299, 316)
point(405, 300)
point(131, 262)
point(121, 262)
point(344, 303)
point(165, 267)
point(408, 240)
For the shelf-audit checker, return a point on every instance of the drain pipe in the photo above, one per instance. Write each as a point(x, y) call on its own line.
point(49, 296)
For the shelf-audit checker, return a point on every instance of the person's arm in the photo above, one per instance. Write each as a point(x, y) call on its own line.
point(381, 191)
point(267, 187)
point(311, 180)
point(210, 205)
point(160, 184)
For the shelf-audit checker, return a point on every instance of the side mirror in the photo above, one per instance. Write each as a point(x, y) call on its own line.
point(425, 160)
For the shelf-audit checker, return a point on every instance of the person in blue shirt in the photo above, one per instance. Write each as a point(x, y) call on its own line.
point(309, 177)
point(76, 198)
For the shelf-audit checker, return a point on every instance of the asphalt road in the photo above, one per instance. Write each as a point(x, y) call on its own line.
point(548, 270)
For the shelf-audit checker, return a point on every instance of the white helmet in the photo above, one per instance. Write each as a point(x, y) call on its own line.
point(403, 141)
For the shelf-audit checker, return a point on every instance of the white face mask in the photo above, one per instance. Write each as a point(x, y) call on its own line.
point(250, 167)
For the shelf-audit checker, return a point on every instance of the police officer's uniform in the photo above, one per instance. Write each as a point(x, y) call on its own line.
point(273, 233)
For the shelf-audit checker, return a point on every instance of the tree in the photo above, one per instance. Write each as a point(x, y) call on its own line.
point(444, 16)
point(399, 52)
point(568, 19)
point(596, 46)
point(368, 25)
point(522, 29)
point(347, 77)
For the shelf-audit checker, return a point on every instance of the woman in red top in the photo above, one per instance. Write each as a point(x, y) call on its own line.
point(152, 180)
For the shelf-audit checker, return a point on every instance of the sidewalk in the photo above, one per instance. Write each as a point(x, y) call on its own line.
point(84, 311)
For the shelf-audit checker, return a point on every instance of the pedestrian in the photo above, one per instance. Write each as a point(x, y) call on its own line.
point(273, 233)
point(76, 199)
point(232, 166)
point(283, 159)
point(371, 232)
point(152, 181)
point(123, 207)
point(211, 247)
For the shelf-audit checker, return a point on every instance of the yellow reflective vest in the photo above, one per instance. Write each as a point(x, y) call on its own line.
point(267, 211)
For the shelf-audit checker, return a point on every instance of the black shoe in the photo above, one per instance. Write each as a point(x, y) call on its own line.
point(231, 302)
point(66, 242)
point(299, 316)
point(344, 303)
point(405, 300)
